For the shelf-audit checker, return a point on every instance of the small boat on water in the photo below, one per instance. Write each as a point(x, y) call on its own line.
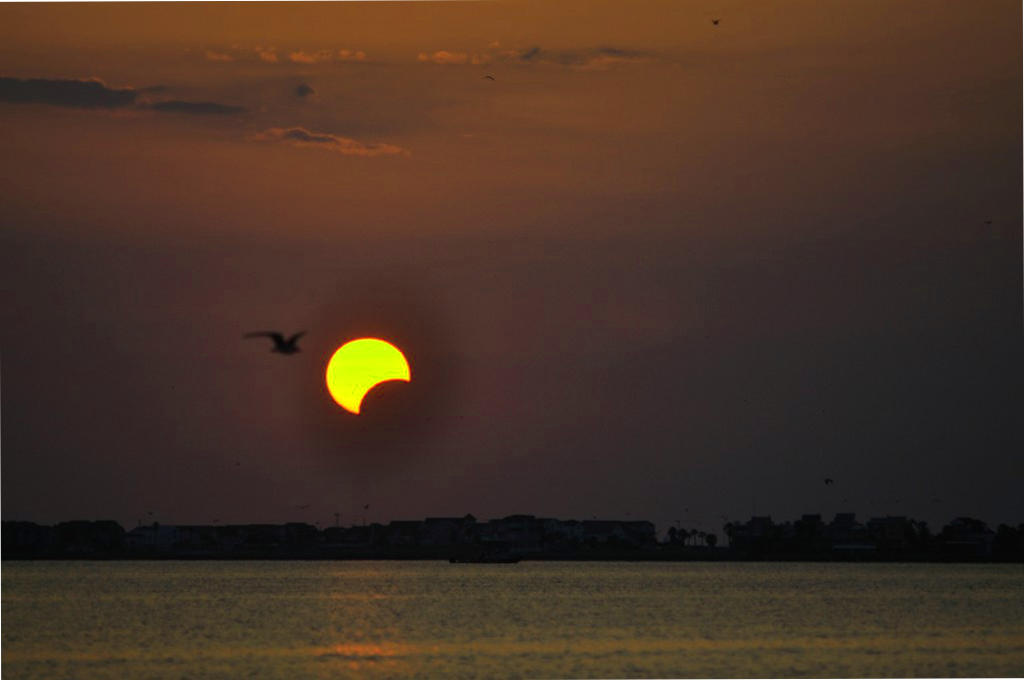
point(485, 559)
point(485, 555)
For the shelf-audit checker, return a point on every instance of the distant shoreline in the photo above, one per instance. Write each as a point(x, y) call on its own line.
point(524, 538)
point(724, 555)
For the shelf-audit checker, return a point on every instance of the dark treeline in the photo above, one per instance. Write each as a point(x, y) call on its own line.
point(525, 537)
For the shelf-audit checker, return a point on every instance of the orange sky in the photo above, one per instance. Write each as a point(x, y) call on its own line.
point(681, 112)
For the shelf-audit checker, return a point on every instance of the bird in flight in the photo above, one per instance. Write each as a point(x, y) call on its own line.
point(829, 480)
point(282, 345)
point(489, 77)
point(715, 21)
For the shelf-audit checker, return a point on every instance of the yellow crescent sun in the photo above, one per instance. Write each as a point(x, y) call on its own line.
point(358, 366)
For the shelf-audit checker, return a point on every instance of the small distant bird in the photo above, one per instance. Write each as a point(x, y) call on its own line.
point(988, 222)
point(829, 480)
point(366, 507)
point(302, 507)
point(282, 345)
point(489, 77)
point(715, 21)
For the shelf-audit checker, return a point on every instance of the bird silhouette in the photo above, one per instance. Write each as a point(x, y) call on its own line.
point(489, 77)
point(715, 21)
point(829, 480)
point(282, 345)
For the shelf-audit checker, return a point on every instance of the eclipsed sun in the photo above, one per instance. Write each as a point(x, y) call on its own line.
point(358, 366)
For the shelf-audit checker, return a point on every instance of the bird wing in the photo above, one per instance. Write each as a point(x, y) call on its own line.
point(276, 337)
point(291, 340)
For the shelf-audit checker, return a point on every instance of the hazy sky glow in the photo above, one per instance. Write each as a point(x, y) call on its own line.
point(654, 269)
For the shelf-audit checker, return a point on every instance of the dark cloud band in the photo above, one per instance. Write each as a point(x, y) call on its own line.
point(196, 108)
point(93, 93)
point(90, 93)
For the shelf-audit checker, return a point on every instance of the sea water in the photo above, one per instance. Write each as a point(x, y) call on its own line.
point(361, 619)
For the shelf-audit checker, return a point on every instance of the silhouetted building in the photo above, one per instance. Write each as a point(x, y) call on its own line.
point(85, 538)
point(891, 532)
point(637, 534)
point(849, 537)
point(403, 533)
point(448, 531)
point(28, 539)
point(967, 537)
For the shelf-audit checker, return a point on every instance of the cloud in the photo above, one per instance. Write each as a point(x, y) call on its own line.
point(304, 90)
point(298, 136)
point(350, 55)
point(527, 55)
point(310, 57)
point(217, 56)
point(195, 108)
point(81, 93)
point(321, 56)
point(599, 58)
point(444, 57)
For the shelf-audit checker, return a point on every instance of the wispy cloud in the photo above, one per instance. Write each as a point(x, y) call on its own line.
point(80, 93)
point(298, 136)
point(310, 57)
point(444, 57)
point(271, 54)
point(351, 55)
point(217, 56)
point(598, 58)
point(321, 56)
